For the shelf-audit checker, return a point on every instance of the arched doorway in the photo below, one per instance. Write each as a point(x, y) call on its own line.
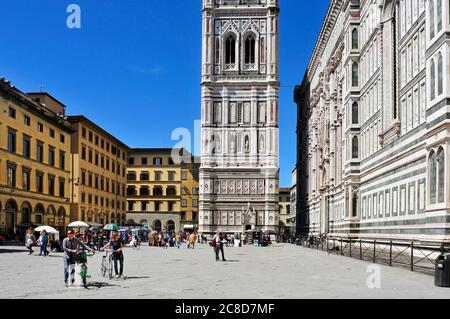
point(11, 214)
point(61, 217)
point(26, 213)
point(144, 222)
point(39, 213)
point(157, 225)
point(51, 216)
point(170, 226)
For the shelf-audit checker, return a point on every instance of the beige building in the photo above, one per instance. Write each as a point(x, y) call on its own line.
point(162, 193)
point(285, 210)
point(34, 161)
point(98, 179)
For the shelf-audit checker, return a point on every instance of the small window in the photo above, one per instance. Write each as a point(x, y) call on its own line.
point(51, 133)
point(62, 138)
point(12, 113)
point(27, 120)
point(83, 132)
point(355, 44)
point(40, 127)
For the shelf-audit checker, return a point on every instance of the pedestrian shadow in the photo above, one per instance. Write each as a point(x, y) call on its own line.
point(232, 261)
point(99, 285)
point(143, 277)
point(10, 251)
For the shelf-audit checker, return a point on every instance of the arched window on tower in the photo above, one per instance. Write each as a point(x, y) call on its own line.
point(355, 74)
point(433, 177)
point(355, 39)
point(439, 15)
point(355, 113)
point(440, 75)
point(441, 178)
point(432, 80)
point(355, 147)
point(249, 54)
point(230, 50)
point(431, 14)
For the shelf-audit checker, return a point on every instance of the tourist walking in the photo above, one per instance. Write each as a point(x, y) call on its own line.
point(29, 241)
point(71, 245)
point(117, 246)
point(192, 241)
point(178, 240)
point(43, 241)
point(218, 243)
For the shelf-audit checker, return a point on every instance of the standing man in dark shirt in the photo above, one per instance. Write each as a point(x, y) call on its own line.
point(117, 246)
point(71, 246)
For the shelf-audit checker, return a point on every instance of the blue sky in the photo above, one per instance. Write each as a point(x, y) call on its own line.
point(134, 67)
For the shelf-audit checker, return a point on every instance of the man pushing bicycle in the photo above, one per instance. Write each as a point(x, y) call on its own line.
point(71, 246)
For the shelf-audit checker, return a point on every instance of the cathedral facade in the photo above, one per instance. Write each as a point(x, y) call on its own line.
point(374, 129)
point(239, 174)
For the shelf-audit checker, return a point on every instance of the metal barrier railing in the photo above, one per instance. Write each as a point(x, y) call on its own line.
point(416, 256)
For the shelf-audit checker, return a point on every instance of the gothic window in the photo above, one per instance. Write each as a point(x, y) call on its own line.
point(249, 54)
point(355, 74)
point(440, 75)
point(355, 39)
point(230, 50)
point(433, 177)
point(355, 111)
point(263, 51)
point(239, 113)
point(433, 80)
point(441, 171)
point(355, 147)
point(431, 13)
point(439, 15)
point(355, 205)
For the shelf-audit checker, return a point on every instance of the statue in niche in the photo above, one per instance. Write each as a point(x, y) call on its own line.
point(247, 144)
point(261, 143)
point(232, 143)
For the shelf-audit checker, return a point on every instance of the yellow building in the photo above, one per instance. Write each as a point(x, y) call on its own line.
point(35, 168)
point(99, 174)
point(189, 194)
point(155, 189)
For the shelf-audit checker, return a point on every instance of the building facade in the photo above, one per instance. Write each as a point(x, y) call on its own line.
point(239, 171)
point(190, 194)
point(284, 211)
point(162, 190)
point(373, 122)
point(98, 181)
point(35, 161)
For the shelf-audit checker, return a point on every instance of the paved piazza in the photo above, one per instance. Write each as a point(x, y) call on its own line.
point(281, 271)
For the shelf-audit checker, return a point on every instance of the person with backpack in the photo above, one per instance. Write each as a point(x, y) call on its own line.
point(217, 244)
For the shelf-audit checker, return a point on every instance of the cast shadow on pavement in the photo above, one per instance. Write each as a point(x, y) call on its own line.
point(10, 251)
point(99, 285)
point(144, 277)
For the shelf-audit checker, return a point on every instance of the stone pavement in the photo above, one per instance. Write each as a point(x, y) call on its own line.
point(281, 271)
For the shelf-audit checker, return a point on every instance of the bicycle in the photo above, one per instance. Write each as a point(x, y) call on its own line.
point(107, 264)
point(81, 258)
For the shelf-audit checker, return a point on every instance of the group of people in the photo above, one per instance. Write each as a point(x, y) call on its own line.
point(43, 241)
point(174, 239)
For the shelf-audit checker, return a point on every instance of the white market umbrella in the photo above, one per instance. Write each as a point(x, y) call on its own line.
point(48, 229)
point(78, 224)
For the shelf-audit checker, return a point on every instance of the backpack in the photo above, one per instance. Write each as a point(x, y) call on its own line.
point(213, 243)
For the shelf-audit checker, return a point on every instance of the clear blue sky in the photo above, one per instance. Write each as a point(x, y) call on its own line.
point(134, 67)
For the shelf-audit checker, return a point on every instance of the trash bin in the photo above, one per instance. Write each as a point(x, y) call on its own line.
point(442, 272)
